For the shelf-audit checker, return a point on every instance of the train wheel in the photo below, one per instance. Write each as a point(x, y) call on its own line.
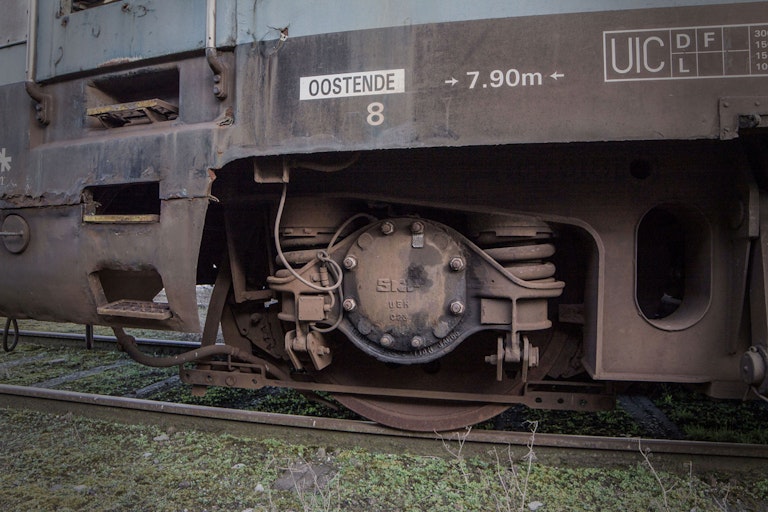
point(463, 370)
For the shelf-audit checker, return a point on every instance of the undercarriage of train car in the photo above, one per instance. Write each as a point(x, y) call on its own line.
point(389, 302)
point(425, 294)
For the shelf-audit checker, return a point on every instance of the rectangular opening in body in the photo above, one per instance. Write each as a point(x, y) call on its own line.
point(122, 203)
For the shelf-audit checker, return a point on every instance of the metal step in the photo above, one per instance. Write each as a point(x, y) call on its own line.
point(121, 219)
point(135, 112)
point(136, 309)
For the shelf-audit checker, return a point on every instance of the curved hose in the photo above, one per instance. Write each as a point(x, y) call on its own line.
point(128, 344)
point(321, 255)
point(758, 394)
point(8, 347)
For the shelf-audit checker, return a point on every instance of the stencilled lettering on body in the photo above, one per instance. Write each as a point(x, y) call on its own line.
point(726, 51)
point(362, 83)
point(343, 85)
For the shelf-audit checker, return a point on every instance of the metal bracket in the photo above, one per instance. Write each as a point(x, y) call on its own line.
point(136, 112)
point(271, 170)
point(311, 343)
point(43, 102)
point(514, 348)
point(220, 73)
point(738, 113)
point(217, 65)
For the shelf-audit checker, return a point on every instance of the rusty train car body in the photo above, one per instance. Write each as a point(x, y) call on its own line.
point(430, 210)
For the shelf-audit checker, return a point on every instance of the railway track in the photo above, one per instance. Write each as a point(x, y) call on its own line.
point(552, 448)
point(24, 337)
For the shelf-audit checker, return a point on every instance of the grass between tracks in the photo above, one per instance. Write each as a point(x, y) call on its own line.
point(68, 463)
point(698, 417)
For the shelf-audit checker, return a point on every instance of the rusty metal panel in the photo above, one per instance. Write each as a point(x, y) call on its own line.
point(123, 32)
point(558, 78)
point(39, 285)
point(13, 22)
point(52, 165)
point(12, 63)
point(13, 36)
point(264, 19)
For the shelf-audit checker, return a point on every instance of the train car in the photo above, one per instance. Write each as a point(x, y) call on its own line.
point(429, 210)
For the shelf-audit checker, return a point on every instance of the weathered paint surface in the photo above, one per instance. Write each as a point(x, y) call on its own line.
point(518, 80)
point(513, 80)
point(142, 29)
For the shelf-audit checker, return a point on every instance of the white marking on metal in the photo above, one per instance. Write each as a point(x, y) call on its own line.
point(683, 53)
point(557, 75)
point(363, 83)
point(452, 81)
point(375, 113)
point(5, 161)
point(510, 78)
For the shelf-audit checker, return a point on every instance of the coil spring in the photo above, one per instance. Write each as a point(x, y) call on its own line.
point(525, 261)
point(520, 244)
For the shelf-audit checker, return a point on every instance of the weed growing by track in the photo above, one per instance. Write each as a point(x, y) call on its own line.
point(708, 419)
point(67, 463)
point(699, 417)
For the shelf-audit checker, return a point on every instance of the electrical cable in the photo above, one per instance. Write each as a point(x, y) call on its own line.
point(324, 256)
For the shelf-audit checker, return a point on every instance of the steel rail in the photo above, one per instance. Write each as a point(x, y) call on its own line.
point(555, 448)
point(36, 336)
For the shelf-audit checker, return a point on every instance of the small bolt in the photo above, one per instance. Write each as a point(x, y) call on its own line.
point(417, 341)
point(350, 262)
point(364, 326)
point(216, 79)
point(230, 381)
point(726, 104)
point(349, 304)
point(216, 90)
point(456, 264)
point(457, 308)
point(386, 340)
point(417, 228)
point(442, 329)
point(387, 228)
point(365, 241)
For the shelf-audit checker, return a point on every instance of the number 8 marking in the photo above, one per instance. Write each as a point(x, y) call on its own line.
point(375, 113)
